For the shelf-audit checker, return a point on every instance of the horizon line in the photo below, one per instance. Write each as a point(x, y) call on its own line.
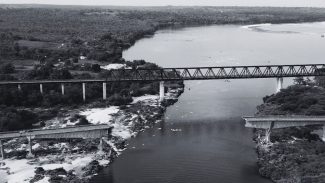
point(99, 5)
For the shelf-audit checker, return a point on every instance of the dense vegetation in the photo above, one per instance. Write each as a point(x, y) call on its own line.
point(298, 99)
point(50, 33)
point(12, 119)
point(296, 153)
point(71, 42)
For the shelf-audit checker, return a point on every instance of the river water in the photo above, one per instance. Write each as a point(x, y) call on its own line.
point(202, 137)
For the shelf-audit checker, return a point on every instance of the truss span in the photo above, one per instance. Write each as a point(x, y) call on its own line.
point(196, 73)
point(208, 73)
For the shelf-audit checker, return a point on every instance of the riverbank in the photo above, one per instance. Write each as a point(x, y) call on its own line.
point(78, 160)
point(294, 154)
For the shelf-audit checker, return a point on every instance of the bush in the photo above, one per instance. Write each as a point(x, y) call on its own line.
point(7, 68)
point(47, 71)
point(95, 68)
point(12, 119)
point(299, 99)
point(7, 77)
point(83, 121)
point(60, 74)
point(118, 100)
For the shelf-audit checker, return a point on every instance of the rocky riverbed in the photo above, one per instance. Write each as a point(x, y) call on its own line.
point(77, 160)
point(294, 154)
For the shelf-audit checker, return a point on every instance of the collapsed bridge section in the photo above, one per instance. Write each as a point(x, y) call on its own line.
point(83, 132)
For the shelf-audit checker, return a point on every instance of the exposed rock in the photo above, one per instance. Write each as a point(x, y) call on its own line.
point(56, 172)
point(39, 170)
point(37, 178)
point(92, 168)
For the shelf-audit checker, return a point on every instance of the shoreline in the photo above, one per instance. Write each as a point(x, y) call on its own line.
point(292, 153)
point(87, 154)
point(77, 160)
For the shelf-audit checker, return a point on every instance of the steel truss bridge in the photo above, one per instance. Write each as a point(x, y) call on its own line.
point(197, 73)
point(208, 73)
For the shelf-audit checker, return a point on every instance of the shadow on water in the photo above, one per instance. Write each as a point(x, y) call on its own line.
point(205, 151)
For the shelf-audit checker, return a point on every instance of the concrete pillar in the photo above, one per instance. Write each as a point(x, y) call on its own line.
point(105, 139)
point(267, 135)
point(101, 146)
point(62, 88)
point(30, 153)
point(84, 91)
point(279, 84)
point(161, 91)
point(323, 138)
point(2, 150)
point(19, 87)
point(104, 91)
point(41, 88)
point(109, 152)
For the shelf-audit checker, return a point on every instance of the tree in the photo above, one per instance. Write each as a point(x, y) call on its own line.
point(83, 121)
point(299, 81)
point(75, 60)
point(320, 80)
point(7, 68)
point(60, 74)
point(95, 68)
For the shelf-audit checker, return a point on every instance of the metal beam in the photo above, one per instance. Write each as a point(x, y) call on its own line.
point(196, 73)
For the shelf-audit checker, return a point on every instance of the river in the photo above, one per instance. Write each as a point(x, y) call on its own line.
point(202, 137)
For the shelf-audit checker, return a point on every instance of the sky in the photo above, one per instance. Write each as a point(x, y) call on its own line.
point(290, 3)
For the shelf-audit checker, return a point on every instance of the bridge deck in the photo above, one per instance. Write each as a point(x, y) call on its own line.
point(196, 73)
point(266, 122)
point(56, 133)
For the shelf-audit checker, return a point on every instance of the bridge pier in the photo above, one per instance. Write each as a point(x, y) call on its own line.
point(19, 87)
point(2, 150)
point(323, 138)
point(41, 88)
point(62, 89)
point(84, 92)
point(101, 146)
point(161, 91)
point(279, 84)
point(30, 153)
point(268, 133)
point(104, 91)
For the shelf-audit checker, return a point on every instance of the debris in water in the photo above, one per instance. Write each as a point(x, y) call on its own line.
point(176, 130)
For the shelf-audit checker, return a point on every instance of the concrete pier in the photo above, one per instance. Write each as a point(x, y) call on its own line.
point(323, 138)
point(279, 84)
point(2, 150)
point(104, 91)
point(41, 88)
point(62, 89)
point(84, 91)
point(30, 153)
point(161, 91)
point(101, 146)
point(267, 135)
point(268, 132)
